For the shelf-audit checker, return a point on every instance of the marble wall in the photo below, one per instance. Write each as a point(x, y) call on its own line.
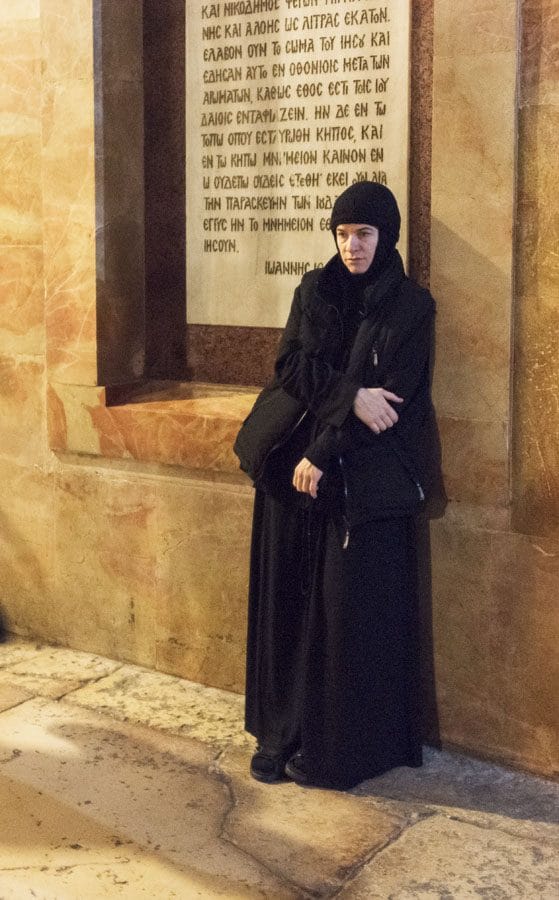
point(27, 488)
point(110, 543)
point(128, 561)
point(535, 442)
point(496, 554)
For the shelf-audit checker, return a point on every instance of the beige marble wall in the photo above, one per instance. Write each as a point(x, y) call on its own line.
point(494, 622)
point(68, 168)
point(25, 560)
point(474, 81)
point(146, 566)
point(148, 562)
point(21, 258)
point(536, 341)
point(92, 555)
point(93, 219)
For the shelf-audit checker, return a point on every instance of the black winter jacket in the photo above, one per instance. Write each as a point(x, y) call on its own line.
point(383, 475)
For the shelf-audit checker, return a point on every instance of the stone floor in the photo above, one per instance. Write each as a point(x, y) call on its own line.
point(120, 782)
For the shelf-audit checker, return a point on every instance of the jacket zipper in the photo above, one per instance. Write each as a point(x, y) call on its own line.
point(345, 544)
point(420, 490)
point(375, 356)
point(410, 472)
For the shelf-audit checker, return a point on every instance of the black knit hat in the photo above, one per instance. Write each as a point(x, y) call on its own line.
point(368, 203)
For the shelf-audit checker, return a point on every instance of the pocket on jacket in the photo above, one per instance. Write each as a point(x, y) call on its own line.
point(379, 486)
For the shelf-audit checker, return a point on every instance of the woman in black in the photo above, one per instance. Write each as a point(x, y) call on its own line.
point(335, 446)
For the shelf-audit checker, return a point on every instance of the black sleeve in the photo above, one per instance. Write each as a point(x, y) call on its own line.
point(309, 377)
point(407, 376)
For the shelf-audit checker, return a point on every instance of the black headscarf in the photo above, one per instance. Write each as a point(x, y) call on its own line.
point(369, 203)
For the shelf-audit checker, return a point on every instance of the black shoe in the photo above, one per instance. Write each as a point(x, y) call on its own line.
point(267, 766)
point(295, 769)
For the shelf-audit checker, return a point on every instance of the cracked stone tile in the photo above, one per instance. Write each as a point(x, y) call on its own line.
point(51, 850)
point(313, 838)
point(14, 650)
point(454, 779)
point(11, 695)
point(439, 858)
point(169, 703)
point(53, 671)
point(522, 828)
point(47, 860)
point(476, 791)
point(537, 832)
point(135, 812)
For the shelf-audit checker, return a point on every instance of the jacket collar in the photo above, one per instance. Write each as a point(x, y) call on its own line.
point(332, 285)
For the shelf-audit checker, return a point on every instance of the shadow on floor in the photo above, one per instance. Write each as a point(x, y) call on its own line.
point(453, 779)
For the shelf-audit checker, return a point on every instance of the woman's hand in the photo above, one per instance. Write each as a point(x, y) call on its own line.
point(306, 478)
point(372, 407)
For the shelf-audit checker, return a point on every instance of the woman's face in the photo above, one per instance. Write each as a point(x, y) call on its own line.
point(357, 245)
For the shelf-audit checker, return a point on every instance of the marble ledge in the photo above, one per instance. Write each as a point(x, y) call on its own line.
point(192, 425)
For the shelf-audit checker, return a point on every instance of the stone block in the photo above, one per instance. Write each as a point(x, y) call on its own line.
point(20, 132)
point(67, 39)
point(442, 857)
point(475, 461)
point(69, 228)
point(53, 672)
point(168, 704)
point(523, 635)
point(105, 564)
point(203, 552)
point(460, 586)
point(115, 808)
point(22, 384)
point(27, 552)
point(340, 831)
point(22, 329)
point(483, 26)
point(536, 336)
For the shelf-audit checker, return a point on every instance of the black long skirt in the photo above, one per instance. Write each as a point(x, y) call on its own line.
point(333, 644)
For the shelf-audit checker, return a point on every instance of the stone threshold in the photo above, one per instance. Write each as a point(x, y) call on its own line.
point(187, 424)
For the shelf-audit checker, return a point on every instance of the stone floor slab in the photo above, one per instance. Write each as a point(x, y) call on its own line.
point(476, 791)
point(169, 703)
point(441, 859)
point(314, 838)
point(527, 829)
point(136, 784)
point(53, 671)
point(14, 650)
point(59, 853)
point(12, 695)
point(462, 782)
point(149, 792)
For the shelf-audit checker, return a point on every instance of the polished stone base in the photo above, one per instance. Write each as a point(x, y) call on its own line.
point(118, 781)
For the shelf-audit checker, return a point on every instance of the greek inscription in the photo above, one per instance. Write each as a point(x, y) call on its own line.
point(268, 26)
point(218, 54)
point(292, 113)
point(297, 100)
